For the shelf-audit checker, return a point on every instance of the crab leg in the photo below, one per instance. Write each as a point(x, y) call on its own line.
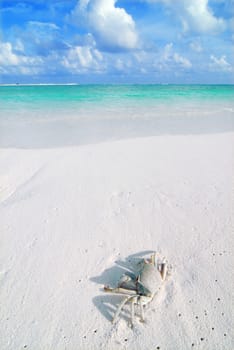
point(121, 305)
point(142, 311)
point(119, 290)
point(152, 259)
point(164, 269)
point(132, 312)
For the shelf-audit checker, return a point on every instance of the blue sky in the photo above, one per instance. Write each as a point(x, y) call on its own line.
point(109, 41)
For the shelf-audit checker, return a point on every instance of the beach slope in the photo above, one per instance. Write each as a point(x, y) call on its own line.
point(75, 218)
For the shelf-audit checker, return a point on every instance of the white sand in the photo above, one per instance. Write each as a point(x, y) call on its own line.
point(70, 219)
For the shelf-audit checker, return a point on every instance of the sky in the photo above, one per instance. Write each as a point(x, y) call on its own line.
point(117, 41)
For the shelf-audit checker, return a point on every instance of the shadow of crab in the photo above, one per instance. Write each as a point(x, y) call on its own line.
point(107, 305)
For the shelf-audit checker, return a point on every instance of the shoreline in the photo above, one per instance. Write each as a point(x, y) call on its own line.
point(46, 127)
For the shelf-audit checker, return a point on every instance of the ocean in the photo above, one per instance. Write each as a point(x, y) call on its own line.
point(66, 115)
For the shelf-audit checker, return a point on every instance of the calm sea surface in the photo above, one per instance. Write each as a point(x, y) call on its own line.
point(91, 113)
point(99, 94)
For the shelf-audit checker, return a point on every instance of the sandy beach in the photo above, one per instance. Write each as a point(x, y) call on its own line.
point(75, 218)
point(116, 151)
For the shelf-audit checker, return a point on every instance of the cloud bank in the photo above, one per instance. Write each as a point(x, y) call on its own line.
point(117, 41)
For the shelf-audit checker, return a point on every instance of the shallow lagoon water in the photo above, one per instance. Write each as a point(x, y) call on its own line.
point(66, 115)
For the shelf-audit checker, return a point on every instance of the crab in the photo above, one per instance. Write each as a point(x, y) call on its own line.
point(140, 289)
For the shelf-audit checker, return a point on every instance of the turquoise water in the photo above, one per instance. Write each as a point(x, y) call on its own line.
point(80, 94)
point(61, 115)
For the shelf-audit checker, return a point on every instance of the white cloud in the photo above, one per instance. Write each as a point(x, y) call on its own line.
point(7, 57)
point(82, 58)
point(196, 46)
point(200, 18)
point(194, 15)
point(112, 27)
point(43, 25)
point(182, 61)
point(11, 62)
point(220, 64)
point(169, 57)
point(19, 46)
point(167, 52)
point(123, 65)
